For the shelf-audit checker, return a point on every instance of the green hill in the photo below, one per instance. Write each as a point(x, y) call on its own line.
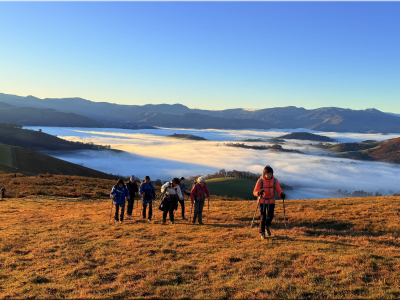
point(36, 140)
point(27, 162)
point(232, 187)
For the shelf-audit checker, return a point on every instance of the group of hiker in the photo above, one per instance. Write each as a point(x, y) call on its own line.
point(172, 194)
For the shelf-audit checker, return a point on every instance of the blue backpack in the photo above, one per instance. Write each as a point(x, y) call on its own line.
point(148, 190)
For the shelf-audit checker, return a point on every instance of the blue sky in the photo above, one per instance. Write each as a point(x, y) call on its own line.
point(211, 55)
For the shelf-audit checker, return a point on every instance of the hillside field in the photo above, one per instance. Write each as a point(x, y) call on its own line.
point(232, 187)
point(27, 162)
point(55, 247)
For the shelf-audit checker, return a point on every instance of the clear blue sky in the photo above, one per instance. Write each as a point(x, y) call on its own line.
point(211, 55)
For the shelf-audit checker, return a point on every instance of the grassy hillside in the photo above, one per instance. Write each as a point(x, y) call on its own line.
point(54, 247)
point(37, 140)
point(232, 187)
point(28, 162)
point(388, 151)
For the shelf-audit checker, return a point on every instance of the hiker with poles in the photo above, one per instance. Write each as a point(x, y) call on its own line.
point(172, 194)
point(265, 190)
point(148, 193)
point(119, 194)
point(183, 190)
point(198, 195)
point(133, 189)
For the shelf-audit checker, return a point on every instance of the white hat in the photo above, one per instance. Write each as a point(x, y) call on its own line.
point(201, 179)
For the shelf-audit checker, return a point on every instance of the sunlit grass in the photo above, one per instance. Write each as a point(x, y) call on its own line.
point(62, 247)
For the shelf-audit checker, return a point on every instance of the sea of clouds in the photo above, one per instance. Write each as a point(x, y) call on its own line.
point(314, 174)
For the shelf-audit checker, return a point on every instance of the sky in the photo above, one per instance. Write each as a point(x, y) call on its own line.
point(209, 55)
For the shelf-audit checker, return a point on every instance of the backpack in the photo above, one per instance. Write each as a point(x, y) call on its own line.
point(148, 190)
point(273, 189)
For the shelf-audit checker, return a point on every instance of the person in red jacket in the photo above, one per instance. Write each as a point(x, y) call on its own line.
point(265, 190)
point(199, 193)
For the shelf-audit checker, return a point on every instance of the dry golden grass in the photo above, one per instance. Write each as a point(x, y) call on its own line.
point(55, 247)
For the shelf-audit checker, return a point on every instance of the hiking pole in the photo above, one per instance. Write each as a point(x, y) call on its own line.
point(251, 226)
point(208, 210)
point(112, 204)
point(284, 216)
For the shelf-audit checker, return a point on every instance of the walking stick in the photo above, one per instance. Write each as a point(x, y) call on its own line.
point(258, 204)
point(112, 204)
point(284, 216)
point(208, 209)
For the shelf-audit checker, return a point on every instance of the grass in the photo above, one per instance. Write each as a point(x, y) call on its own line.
point(62, 247)
point(34, 163)
point(6, 156)
point(232, 187)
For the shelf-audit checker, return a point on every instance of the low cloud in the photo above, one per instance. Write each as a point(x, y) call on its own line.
point(149, 152)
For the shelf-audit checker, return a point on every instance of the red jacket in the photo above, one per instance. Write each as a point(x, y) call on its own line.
point(269, 192)
point(200, 191)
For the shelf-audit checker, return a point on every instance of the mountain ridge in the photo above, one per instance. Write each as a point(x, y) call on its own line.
point(335, 119)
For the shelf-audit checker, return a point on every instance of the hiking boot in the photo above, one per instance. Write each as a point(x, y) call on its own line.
point(201, 223)
point(172, 222)
point(120, 222)
point(194, 221)
point(268, 231)
point(183, 218)
point(263, 236)
point(164, 222)
point(116, 219)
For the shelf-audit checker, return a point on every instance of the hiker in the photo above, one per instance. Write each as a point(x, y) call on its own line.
point(265, 190)
point(170, 202)
point(3, 192)
point(133, 189)
point(183, 191)
point(119, 194)
point(148, 193)
point(198, 195)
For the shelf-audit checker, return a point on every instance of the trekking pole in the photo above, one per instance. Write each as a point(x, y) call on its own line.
point(258, 204)
point(112, 204)
point(284, 216)
point(208, 210)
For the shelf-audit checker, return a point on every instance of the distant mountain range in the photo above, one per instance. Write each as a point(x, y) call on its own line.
point(180, 116)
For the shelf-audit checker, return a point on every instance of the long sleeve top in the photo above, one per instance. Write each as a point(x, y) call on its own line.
point(167, 187)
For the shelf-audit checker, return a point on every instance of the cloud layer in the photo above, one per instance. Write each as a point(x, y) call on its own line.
point(150, 152)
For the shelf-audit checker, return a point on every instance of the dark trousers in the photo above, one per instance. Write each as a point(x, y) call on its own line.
point(264, 220)
point(150, 205)
point(117, 206)
point(169, 207)
point(182, 203)
point(3, 194)
point(131, 202)
point(198, 211)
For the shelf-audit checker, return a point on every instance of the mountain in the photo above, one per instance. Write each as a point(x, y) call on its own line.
point(29, 116)
point(21, 160)
point(180, 116)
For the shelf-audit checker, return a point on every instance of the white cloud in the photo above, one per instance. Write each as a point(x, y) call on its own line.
point(149, 152)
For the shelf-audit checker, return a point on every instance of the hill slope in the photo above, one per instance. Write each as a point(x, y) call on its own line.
point(36, 140)
point(322, 257)
point(388, 151)
point(28, 162)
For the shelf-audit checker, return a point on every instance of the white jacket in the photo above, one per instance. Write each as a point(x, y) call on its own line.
point(172, 190)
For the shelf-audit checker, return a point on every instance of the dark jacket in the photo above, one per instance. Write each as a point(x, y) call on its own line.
point(132, 188)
